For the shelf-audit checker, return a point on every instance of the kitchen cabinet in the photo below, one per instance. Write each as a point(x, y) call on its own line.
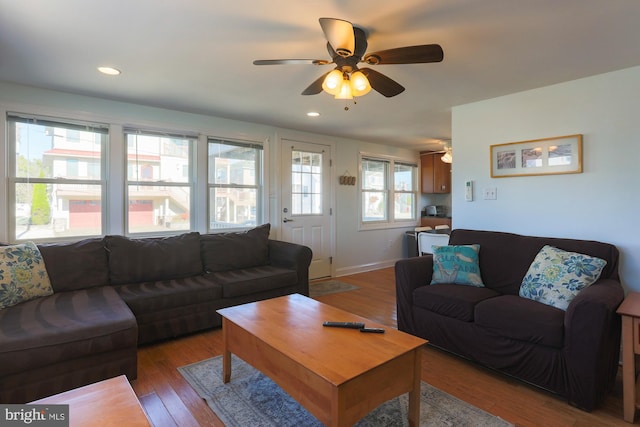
point(435, 174)
point(432, 221)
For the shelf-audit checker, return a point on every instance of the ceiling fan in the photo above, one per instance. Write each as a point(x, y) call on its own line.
point(347, 46)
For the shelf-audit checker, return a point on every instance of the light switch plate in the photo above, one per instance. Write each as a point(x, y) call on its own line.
point(491, 193)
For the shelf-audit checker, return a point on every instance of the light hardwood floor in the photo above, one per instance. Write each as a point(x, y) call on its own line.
point(169, 400)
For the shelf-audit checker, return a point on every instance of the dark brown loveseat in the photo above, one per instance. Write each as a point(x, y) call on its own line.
point(574, 353)
point(112, 294)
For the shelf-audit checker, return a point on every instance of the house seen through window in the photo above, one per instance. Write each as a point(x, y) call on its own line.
point(159, 181)
point(56, 182)
point(235, 184)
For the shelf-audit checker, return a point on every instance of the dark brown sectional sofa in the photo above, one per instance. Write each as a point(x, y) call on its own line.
point(574, 353)
point(112, 294)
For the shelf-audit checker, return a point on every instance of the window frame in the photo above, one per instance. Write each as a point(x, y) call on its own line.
point(258, 186)
point(190, 183)
point(390, 192)
point(11, 119)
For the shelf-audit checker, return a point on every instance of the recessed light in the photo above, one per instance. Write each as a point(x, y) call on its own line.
point(313, 114)
point(110, 71)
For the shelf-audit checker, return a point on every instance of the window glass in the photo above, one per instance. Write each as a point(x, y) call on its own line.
point(56, 185)
point(404, 195)
point(374, 190)
point(235, 184)
point(159, 183)
point(379, 187)
point(306, 182)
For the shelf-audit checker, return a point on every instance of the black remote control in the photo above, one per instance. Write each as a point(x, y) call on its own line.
point(350, 325)
point(373, 330)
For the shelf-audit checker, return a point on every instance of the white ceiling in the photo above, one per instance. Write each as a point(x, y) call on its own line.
point(196, 55)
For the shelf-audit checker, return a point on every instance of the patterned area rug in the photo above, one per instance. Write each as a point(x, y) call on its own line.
point(329, 287)
point(252, 399)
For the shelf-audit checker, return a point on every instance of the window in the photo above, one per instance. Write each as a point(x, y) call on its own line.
point(405, 194)
point(306, 183)
point(56, 178)
point(375, 190)
point(235, 184)
point(159, 181)
point(388, 191)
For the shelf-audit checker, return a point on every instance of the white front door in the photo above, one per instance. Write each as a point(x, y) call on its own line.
point(306, 201)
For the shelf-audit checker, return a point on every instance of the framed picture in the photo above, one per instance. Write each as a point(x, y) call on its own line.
point(562, 154)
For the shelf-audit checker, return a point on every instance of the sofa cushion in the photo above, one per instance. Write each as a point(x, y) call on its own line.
point(79, 265)
point(151, 259)
point(252, 280)
point(456, 264)
point(522, 319)
point(23, 275)
point(160, 295)
point(232, 251)
point(555, 276)
point(64, 326)
point(457, 301)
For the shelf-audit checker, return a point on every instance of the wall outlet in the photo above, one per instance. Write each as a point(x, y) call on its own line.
point(490, 193)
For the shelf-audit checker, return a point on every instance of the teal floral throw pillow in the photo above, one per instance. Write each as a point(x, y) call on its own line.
point(457, 265)
point(23, 275)
point(555, 277)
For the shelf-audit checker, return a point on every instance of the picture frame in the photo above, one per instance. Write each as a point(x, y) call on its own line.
point(547, 156)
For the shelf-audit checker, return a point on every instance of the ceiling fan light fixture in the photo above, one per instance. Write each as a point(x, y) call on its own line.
point(359, 84)
point(333, 82)
point(345, 90)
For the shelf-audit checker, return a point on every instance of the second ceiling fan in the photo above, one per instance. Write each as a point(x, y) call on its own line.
point(347, 46)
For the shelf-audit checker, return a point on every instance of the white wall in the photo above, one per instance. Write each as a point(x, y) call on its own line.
point(359, 251)
point(355, 251)
point(602, 203)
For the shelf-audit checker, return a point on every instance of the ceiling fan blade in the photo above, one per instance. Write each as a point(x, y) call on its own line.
point(315, 87)
point(360, 42)
point(382, 83)
point(290, 61)
point(339, 33)
point(332, 53)
point(407, 55)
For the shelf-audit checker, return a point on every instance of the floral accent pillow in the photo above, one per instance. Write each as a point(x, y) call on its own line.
point(457, 265)
point(555, 276)
point(23, 275)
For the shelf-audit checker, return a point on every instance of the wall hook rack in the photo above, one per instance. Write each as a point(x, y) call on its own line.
point(347, 179)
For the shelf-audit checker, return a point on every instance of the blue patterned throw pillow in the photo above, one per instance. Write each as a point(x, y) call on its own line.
point(457, 265)
point(555, 276)
point(23, 275)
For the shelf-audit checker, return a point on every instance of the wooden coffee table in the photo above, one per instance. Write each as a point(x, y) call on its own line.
point(110, 402)
point(339, 375)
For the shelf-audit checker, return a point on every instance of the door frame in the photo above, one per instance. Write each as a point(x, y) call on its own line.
point(277, 215)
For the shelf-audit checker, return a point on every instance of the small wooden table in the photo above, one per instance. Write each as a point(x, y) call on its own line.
point(339, 375)
point(630, 312)
point(110, 402)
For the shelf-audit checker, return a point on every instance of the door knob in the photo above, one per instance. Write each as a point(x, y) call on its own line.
point(287, 220)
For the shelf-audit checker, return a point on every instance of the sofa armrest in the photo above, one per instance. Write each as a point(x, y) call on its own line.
point(293, 256)
point(411, 273)
point(592, 338)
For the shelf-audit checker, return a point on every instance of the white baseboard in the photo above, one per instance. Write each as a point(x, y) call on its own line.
point(346, 271)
